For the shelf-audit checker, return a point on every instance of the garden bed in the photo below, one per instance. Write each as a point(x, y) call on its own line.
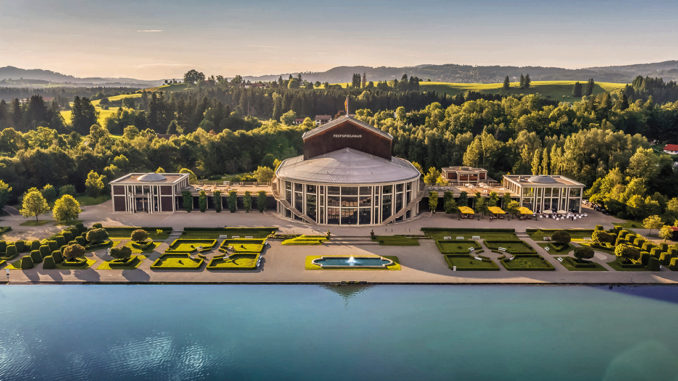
point(573, 265)
point(243, 245)
point(539, 234)
point(486, 234)
point(256, 232)
point(183, 245)
point(627, 266)
point(555, 248)
point(240, 261)
point(305, 240)
point(396, 240)
point(83, 263)
point(527, 262)
point(512, 247)
point(116, 264)
point(456, 247)
point(177, 261)
point(468, 263)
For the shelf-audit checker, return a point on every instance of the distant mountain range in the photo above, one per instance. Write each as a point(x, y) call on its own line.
point(11, 76)
point(489, 74)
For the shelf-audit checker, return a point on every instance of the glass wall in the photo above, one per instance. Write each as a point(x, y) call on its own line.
point(364, 204)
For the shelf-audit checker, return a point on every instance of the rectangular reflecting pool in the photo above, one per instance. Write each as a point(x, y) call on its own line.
point(307, 332)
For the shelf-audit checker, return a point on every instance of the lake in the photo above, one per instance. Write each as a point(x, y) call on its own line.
point(312, 332)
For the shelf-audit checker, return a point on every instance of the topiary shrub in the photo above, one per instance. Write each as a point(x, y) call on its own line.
point(639, 241)
point(97, 226)
point(3, 246)
point(96, 235)
point(35, 256)
point(68, 235)
point(561, 236)
point(139, 235)
point(26, 263)
point(79, 227)
point(583, 253)
point(48, 263)
point(627, 252)
point(599, 227)
point(647, 246)
point(121, 253)
point(45, 251)
point(81, 240)
point(72, 252)
point(20, 246)
point(60, 240)
point(56, 255)
point(653, 264)
point(35, 245)
point(52, 244)
point(601, 236)
point(644, 257)
point(656, 251)
point(11, 251)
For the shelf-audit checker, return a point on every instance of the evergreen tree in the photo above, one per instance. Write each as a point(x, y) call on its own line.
point(507, 83)
point(527, 81)
point(522, 81)
point(589, 87)
point(576, 90)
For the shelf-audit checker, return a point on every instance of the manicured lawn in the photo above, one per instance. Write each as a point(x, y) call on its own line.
point(305, 240)
point(177, 262)
point(457, 247)
point(86, 200)
point(529, 262)
point(513, 247)
point(555, 249)
point(190, 245)
point(202, 233)
point(234, 262)
point(396, 240)
point(630, 225)
point(134, 262)
point(486, 234)
point(572, 265)
point(36, 223)
point(244, 245)
point(468, 263)
point(156, 233)
point(257, 232)
point(309, 265)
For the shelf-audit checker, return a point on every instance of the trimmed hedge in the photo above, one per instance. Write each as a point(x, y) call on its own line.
point(172, 261)
point(132, 261)
point(527, 262)
point(35, 245)
point(48, 263)
point(35, 256)
point(20, 246)
point(26, 263)
point(11, 252)
point(56, 255)
point(653, 264)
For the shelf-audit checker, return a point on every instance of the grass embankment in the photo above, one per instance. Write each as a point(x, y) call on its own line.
point(468, 263)
point(574, 265)
point(556, 249)
point(396, 240)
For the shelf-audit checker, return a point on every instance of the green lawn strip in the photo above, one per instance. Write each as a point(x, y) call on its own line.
point(456, 246)
point(468, 263)
point(238, 261)
point(309, 265)
point(572, 265)
point(630, 225)
point(243, 245)
point(629, 267)
point(36, 223)
point(540, 234)
point(512, 247)
point(183, 245)
point(177, 261)
point(202, 233)
point(527, 262)
point(485, 234)
point(555, 249)
point(132, 263)
point(86, 200)
point(257, 232)
point(155, 233)
point(396, 240)
point(305, 240)
point(76, 266)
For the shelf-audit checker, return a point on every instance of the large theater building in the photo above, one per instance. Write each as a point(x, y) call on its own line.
point(347, 176)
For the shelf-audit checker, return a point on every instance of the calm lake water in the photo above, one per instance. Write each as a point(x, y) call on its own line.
point(297, 332)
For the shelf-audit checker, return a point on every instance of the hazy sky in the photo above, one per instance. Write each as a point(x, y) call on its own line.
point(162, 39)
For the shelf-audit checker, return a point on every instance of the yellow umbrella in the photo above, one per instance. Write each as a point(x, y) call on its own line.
point(466, 210)
point(496, 210)
point(524, 210)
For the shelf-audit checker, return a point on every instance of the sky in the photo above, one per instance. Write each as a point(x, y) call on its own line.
point(163, 39)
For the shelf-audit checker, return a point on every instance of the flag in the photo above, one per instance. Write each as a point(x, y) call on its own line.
point(346, 105)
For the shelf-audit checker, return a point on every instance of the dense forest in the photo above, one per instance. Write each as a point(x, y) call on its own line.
point(217, 126)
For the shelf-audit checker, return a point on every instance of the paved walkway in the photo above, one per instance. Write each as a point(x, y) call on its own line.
point(285, 264)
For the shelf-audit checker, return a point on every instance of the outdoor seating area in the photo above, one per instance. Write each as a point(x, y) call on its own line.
point(466, 212)
point(561, 215)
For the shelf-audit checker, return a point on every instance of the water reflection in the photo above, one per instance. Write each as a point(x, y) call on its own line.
point(347, 290)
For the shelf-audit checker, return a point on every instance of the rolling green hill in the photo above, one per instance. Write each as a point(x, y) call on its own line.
point(556, 90)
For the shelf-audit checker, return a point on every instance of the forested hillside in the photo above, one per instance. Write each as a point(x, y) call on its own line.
point(216, 127)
